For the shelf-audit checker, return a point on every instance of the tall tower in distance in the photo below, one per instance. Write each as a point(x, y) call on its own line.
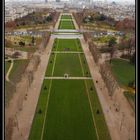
point(57, 0)
point(46, 1)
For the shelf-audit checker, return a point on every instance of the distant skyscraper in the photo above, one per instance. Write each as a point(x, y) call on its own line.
point(46, 1)
point(57, 0)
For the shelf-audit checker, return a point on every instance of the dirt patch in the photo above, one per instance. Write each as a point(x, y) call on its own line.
point(9, 129)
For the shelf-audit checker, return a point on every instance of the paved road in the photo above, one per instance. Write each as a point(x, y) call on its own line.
point(42, 31)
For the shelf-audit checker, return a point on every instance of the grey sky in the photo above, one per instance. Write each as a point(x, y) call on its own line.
point(132, 1)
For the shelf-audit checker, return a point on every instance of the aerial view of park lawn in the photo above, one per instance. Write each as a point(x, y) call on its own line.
point(65, 103)
point(66, 22)
point(70, 73)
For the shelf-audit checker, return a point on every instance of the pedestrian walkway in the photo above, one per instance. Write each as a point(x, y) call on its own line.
point(70, 78)
point(66, 52)
point(9, 71)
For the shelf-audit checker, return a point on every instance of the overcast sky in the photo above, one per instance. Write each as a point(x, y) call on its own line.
point(132, 1)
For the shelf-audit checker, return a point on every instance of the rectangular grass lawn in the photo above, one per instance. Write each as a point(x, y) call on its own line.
point(68, 109)
point(123, 71)
point(68, 114)
point(67, 45)
point(66, 17)
point(66, 25)
point(65, 63)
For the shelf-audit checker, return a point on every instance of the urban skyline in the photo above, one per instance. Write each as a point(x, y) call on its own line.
point(120, 1)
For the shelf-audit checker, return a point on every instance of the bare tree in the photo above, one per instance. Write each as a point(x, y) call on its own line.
point(112, 42)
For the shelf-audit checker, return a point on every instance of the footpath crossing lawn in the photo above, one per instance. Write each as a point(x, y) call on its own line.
point(67, 63)
point(7, 65)
point(15, 76)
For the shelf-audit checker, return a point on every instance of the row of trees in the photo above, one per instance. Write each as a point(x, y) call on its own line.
point(21, 43)
point(125, 25)
point(97, 17)
point(78, 17)
point(32, 19)
point(128, 45)
point(10, 24)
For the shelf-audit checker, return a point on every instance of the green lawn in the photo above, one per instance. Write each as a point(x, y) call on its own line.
point(102, 128)
point(131, 98)
point(7, 65)
point(65, 101)
point(123, 71)
point(67, 109)
point(35, 133)
point(66, 17)
point(68, 114)
point(18, 68)
point(67, 63)
point(15, 76)
point(66, 25)
point(67, 45)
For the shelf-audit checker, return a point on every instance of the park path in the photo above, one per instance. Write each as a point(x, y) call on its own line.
point(65, 19)
point(69, 78)
point(68, 36)
point(9, 70)
point(120, 126)
point(66, 52)
point(16, 59)
point(25, 116)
